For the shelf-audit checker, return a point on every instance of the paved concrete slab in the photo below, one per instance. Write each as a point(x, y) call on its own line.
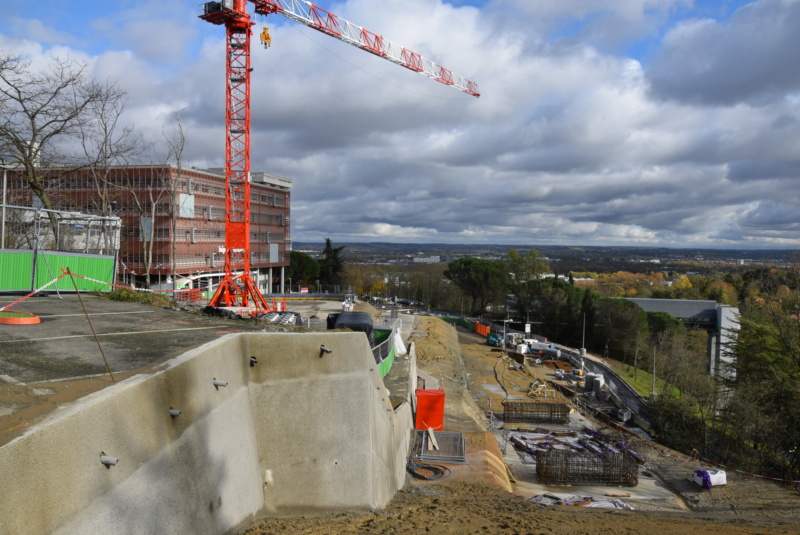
point(131, 335)
point(45, 366)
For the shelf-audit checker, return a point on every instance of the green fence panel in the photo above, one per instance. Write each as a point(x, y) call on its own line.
point(461, 321)
point(386, 365)
point(15, 270)
point(49, 266)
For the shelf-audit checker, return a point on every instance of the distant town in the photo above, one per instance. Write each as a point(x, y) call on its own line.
point(566, 259)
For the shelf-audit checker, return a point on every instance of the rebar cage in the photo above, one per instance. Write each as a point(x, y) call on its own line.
point(553, 412)
point(557, 467)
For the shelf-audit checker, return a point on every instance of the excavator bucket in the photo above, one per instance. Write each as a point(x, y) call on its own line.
point(266, 40)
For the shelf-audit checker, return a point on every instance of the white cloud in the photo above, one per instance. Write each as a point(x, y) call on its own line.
point(37, 31)
point(751, 57)
point(570, 142)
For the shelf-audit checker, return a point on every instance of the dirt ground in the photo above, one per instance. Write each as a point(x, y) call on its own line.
point(470, 501)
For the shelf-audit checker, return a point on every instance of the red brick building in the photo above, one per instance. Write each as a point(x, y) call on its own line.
point(142, 197)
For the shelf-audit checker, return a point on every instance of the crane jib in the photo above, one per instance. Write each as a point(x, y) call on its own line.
point(330, 24)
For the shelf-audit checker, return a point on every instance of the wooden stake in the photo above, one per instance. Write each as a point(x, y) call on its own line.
point(97, 339)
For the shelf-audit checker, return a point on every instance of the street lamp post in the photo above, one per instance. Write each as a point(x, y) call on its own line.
point(505, 321)
point(583, 342)
point(290, 285)
point(653, 393)
point(3, 227)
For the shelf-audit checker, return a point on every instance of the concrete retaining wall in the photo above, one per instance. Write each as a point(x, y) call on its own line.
point(298, 430)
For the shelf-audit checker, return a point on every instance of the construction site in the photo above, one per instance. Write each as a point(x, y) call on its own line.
point(214, 425)
point(267, 415)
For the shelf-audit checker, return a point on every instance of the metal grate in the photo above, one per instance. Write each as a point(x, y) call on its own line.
point(452, 448)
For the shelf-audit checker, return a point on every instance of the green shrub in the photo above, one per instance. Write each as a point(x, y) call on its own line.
point(131, 296)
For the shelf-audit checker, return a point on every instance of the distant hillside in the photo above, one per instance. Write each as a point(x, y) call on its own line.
point(568, 258)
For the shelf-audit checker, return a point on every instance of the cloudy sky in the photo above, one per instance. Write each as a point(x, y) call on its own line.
point(600, 122)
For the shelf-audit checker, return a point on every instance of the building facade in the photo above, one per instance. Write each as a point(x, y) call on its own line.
point(145, 197)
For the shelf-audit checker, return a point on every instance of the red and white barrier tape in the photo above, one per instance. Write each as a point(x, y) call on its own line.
point(709, 461)
point(123, 287)
point(33, 292)
point(21, 299)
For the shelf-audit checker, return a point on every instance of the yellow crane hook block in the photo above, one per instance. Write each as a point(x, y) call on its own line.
point(266, 40)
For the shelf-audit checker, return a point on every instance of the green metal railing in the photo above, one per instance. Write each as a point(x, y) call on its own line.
point(384, 350)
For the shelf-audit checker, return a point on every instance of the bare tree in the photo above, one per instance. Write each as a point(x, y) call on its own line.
point(177, 144)
point(145, 194)
point(151, 196)
point(40, 109)
point(106, 143)
point(637, 344)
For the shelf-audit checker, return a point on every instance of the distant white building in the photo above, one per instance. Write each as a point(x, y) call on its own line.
point(434, 259)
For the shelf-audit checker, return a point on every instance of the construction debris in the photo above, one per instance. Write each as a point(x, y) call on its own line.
point(706, 479)
point(539, 389)
point(580, 501)
point(451, 447)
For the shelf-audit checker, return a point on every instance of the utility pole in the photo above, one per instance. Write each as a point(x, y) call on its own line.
point(653, 392)
point(583, 343)
point(504, 334)
point(583, 340)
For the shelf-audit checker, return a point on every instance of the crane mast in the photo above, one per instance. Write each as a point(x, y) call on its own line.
point(238, 288)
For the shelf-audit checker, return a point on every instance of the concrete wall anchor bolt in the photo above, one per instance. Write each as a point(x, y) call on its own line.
point(107, 460)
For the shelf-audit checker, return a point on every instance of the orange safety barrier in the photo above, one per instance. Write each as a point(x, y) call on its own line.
point(12, 317)
point(482, 329)
point(430, 410)
point(191, 295)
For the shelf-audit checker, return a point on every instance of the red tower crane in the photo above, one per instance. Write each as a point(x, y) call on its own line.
point(238, 288)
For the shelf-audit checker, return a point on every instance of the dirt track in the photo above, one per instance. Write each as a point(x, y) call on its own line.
point(470, 502)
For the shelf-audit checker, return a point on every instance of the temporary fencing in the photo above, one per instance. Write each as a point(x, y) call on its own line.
point(38, 242)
